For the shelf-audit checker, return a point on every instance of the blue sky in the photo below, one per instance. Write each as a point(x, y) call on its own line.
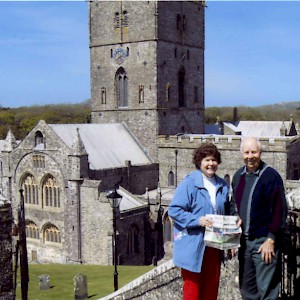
point(252, 54)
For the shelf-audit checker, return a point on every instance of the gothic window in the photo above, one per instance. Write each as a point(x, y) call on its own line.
point(175, 52)
point(103, 95)
point(168, 91)
point(178, 21)
point(125, 19)
point(52, 234)
point(38, 161)
point(117, 20)
point(171, 179)
point(196, 99)
point(181, 75)
point(30, 189)
point(121, 83)
point(133, 240)
point(39, 138)
point(168, 230)
point(51, 192)
point(32, 230)
point(141, 94)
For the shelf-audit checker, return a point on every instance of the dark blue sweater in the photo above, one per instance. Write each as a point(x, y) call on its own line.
point(260, 201)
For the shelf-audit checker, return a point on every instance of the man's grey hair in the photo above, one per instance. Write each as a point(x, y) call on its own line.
point(245, 139)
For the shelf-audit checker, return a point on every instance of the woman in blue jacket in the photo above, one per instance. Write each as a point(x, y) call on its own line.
point(201, 192)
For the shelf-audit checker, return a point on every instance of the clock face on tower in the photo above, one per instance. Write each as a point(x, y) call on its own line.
point(119, 55)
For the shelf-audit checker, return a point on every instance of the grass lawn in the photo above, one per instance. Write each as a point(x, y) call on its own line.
point(100, 280)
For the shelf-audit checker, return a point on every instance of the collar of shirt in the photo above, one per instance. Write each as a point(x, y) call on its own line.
point(256, 172)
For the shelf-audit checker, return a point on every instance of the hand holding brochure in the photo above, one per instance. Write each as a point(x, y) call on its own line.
point(225, 234)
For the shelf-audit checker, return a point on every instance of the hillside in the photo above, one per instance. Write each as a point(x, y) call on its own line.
point(23, 119)
point(275, 112)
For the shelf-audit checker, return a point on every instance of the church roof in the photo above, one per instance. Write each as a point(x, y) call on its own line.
point(107, 145)
point(260, 128)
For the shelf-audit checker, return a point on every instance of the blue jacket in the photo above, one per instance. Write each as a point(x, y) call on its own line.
point(190, 202)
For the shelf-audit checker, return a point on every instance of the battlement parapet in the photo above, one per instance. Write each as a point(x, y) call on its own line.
point(225, 142)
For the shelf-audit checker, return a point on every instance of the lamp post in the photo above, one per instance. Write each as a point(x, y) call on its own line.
point(114, 200)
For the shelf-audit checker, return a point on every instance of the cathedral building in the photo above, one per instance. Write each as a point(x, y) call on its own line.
point(147, 67)
point(147, 86)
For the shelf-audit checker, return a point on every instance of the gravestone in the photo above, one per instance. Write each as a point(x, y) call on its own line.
point(80, 287)
point(44, 282)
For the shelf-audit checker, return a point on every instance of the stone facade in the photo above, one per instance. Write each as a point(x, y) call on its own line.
point(147, 69)
point(156, 50)
point(68, 217)
point(175, 154)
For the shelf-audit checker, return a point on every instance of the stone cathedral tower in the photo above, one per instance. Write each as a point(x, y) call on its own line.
point(147, 67)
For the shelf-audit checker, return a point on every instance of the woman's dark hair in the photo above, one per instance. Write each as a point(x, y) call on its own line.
point(206, 150)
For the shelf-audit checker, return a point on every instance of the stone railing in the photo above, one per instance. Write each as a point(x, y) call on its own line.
point(164, 282)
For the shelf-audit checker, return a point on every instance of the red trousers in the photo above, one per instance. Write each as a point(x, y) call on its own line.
point(204, 285)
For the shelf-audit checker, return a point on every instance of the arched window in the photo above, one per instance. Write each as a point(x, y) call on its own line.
point(30, 189)
point(133, 240)
point(32, 230)
point(51, 192)
point(52, 234)
point(171, 178)
point(117, 20)
point(125, 19)
point(168, 229)
point(181, 75)
point(39, 138)
point(121, 83)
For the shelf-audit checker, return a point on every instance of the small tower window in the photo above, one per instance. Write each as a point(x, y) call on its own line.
point(141, 94)
point(181, 98)
point(125, 19)
point(117, 20)
point(168, 91)
point(103, 95)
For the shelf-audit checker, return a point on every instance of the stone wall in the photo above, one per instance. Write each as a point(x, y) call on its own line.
point(274, 153)
point(164, 282)
point(6, 253)
point(158, 40)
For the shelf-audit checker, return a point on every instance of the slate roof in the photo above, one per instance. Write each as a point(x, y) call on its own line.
point(260, 128)
point(107, 145)
point(213, 128)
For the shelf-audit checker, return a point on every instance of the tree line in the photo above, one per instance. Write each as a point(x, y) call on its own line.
point(23, 119)
point(276, 112)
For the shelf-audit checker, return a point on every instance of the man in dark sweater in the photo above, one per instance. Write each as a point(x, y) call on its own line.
point(259, 197)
